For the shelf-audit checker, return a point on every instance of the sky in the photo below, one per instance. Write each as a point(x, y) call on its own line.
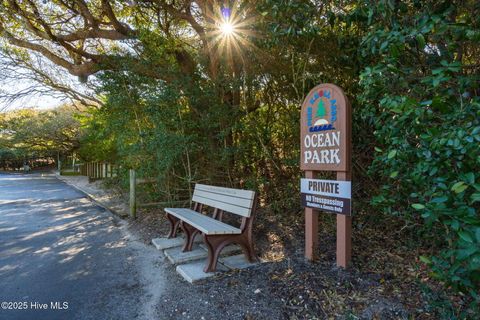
point(9, 84)
point(37, 102)
point(32, 101)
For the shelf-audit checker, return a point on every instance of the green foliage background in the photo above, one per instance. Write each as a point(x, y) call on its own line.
point(422, 96)
point(30, 134)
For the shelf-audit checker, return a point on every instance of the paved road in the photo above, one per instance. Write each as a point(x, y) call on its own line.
point(57, 246)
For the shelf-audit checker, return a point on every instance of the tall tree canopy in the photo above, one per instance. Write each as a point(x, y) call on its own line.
point(27, 134)
point(85, 37)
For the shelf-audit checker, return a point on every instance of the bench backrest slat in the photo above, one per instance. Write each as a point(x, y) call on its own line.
point(236, 201)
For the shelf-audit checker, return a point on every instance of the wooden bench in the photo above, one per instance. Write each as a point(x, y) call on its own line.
point(216, 234)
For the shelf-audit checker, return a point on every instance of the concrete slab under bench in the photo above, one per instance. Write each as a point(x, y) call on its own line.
point(233, 248)
point(176, 256)
point(190, 264)
point(167, 243)
point(193, 272)
point(237, 262)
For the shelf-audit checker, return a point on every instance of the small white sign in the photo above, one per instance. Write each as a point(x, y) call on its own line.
point(329, 188)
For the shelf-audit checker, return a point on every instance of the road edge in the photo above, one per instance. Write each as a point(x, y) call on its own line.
point(91, 197)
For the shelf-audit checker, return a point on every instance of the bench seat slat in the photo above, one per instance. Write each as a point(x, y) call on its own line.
point(233, 200)
point(237, 193)
point(242, 211)
point(203, 223)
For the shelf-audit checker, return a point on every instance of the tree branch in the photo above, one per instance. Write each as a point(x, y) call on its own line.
point(83, 70)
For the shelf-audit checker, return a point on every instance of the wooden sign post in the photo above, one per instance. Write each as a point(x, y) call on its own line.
point(326, 146)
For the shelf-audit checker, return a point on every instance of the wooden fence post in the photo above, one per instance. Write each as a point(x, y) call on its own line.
point(133, 200)
point(59, 164)
point(311, 228)
point(344, 230)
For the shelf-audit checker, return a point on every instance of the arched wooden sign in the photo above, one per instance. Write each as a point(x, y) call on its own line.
point(325, 137)
point(325, 130)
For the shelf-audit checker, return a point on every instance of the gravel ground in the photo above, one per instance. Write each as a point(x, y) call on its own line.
point(289, 287)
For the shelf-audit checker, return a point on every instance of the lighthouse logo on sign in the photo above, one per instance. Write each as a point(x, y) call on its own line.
point(322, 111)
point(322, 141)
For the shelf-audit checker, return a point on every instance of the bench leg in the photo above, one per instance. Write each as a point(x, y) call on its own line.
point(216, 243)
point(245, 240)
point(174, 223)
point(190, 233)
point(247, 248)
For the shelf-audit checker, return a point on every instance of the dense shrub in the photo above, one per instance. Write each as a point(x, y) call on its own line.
point(422, 95)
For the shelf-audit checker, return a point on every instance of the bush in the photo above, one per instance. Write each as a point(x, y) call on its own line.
point(422, 97)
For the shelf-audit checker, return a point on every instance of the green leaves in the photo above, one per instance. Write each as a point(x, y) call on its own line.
point(465, 253)
point(418, 97)
point(465, 236)
point(475, 197)
point(418, 206)
point(425, 260)
point(42, 131)
point(459, 187)
point(439, 199)
point(420, 41)
point(392, 154)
